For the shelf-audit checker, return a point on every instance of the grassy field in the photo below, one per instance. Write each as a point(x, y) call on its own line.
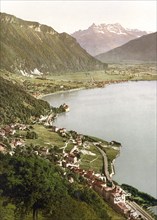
point(93, 162)
point(87, 76)
point(69, 147)
point(45, 137)
point(61, 82)
point(111, 153)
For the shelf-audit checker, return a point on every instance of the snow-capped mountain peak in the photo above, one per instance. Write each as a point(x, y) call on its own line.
point(104, 28)
point(104, 37)
point(116, 28)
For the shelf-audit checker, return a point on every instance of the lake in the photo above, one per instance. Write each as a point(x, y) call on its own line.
point(125, 113)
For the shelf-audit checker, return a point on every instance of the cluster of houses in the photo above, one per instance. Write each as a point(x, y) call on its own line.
point(102, 84)
point(47, 120)
point(9, 131)
point(60, 131)
point(16, 142)
point(78, 139)
point(113, 194)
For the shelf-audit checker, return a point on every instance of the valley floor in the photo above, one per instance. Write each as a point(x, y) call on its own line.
point(78, 153)
point(61, 82)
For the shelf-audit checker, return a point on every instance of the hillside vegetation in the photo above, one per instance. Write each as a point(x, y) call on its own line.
point(17, 105)
point(33, 188)
point(140, 197)
point(31, 48)
point(143, 49)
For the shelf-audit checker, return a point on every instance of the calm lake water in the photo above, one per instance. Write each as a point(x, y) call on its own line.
point(123, 112)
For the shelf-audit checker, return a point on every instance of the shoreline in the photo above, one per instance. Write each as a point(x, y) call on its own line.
point(60, 92)
point(113, 165)
point(108, 83)
point(82, 88)
point(113, 168)
point(113, 172)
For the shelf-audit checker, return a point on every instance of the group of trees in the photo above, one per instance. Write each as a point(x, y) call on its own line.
point(59, 109)
point(17, 105)
point(34, 185)
point(31, 135)
point(140, 197)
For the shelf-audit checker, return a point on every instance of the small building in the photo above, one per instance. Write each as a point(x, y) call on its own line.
point(79, 171)
point(66, 107)
point(8, 130)
point(118, 195)
point(44, 151)
point(89, 174)
point(2, 148)
point(23, 127)
point(70, 179)
point(2, 132)
point(98, 186)
point(16, 142)
point(62, 130)
point(121, 208)
point(71, 158)
point(55, 129)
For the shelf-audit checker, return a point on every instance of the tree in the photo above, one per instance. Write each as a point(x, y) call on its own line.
point(31, 135)
point(30, 183)
point(6, 211)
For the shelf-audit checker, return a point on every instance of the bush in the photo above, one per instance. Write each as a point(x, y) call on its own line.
point(31, 135)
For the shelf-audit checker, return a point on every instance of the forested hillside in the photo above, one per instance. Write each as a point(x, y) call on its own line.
point(17, 105)
point(34, 188)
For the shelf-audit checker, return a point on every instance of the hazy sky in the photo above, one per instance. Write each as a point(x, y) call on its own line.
point(69, 16)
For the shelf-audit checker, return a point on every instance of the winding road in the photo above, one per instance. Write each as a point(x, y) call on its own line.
point(105, 162)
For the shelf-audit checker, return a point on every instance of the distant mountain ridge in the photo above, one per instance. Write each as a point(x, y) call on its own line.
point(32, 48)
point(104, 37)
point(142, 49)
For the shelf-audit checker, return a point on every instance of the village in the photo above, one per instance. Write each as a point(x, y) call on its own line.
point(70, 160)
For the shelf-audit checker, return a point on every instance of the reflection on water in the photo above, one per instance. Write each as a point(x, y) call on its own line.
point(123, 112)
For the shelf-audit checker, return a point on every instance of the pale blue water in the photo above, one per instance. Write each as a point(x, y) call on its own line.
point(123, 112)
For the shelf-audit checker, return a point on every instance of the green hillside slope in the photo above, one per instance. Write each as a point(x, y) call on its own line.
point(29, 47)
point(17, 105)
point(142, 49)
point(35, 188)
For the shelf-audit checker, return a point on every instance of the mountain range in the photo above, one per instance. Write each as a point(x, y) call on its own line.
point(32, 48)
point(101, 38)
point(142, 49)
